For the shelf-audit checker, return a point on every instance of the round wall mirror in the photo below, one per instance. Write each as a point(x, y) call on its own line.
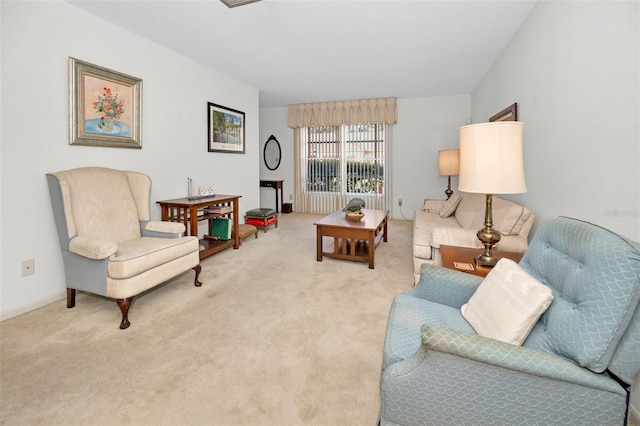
point(272, 153)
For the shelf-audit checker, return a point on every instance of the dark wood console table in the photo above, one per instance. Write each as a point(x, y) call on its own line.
point(191, 211)
point(277, 185)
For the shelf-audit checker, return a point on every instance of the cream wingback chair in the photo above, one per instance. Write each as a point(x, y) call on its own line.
point(109, 244)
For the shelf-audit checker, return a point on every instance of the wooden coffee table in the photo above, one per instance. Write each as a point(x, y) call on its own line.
point(463, 259)
point(352, 240)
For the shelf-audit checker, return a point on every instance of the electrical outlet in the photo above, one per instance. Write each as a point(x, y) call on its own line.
point(290, 197)
point(400, 202)
point(28, 267)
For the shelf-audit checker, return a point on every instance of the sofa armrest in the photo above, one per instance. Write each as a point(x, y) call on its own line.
point(161, 229)
point(433, 205)
point(460, 378)
point(457, 237)
point(91, 248)
point(445, 286)
point(495, 353)
point(460, 237)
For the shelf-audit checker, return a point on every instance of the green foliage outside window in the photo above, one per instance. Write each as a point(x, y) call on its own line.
point(363, 177)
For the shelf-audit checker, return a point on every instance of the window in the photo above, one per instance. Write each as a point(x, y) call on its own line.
point(337, 157)
point(348, 160)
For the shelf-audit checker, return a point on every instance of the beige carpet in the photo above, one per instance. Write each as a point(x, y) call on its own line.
point(273, 337)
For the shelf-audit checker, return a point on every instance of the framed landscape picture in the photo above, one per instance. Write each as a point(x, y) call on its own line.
point(225, 129)
point(106, 106)
point(510, 113)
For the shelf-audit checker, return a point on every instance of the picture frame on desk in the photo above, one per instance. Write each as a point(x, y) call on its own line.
point(225, 129)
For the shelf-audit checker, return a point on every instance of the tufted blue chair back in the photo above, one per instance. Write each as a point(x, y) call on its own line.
point(595, 278)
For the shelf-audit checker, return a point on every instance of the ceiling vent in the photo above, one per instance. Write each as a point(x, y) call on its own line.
point(236, 3)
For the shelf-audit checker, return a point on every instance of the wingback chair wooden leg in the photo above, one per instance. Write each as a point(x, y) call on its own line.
point(197, 268)
point(71, 297)
point(124, 305)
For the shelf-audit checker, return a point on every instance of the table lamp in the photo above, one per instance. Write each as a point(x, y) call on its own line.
point(448, 164)
point(491, 162)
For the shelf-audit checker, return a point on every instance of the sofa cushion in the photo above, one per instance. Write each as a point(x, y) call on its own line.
point(507, 304)
point(508, 217)
point(261, 212)
point(470, 211)
point(145, 253)
point(449, 206)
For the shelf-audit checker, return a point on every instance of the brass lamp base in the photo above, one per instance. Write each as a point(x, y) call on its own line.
point(486, 258)
point(448, 192)
point(488, 237)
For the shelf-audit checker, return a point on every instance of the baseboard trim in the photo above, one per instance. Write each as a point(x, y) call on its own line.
point(5, 315)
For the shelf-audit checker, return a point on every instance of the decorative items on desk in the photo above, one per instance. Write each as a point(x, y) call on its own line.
point(201, 192)
point(206, 191)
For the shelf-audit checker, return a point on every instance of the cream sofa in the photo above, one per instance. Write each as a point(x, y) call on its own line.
point(456, 221)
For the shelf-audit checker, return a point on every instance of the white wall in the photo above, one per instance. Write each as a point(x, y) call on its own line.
point(425, 126)
point(573, 68)
point(37, 39)
point(273, 121)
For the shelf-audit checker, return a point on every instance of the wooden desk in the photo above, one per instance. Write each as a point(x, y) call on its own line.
point(186, 211)
point(463, 259)
point(352, 240)
point(277, 185)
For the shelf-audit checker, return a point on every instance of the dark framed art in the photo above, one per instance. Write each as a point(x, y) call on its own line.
point(510, 113)
point(105, 107)
point(225, 129)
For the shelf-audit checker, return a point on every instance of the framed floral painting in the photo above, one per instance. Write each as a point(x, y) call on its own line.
point(226, 129)
point(106, 107)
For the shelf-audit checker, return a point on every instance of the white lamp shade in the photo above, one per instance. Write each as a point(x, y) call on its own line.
point(449, 162)
point(491, 160)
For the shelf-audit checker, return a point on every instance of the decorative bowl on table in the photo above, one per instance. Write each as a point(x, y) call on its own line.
point(353, 215)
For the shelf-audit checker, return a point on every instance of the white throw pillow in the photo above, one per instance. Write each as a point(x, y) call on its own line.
point(449, 206)
point(507, 304)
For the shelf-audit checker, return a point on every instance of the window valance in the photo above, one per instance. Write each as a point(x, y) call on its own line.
point(364, 111)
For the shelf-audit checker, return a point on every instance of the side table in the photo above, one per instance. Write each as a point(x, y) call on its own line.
point(277, 185)
point(463, 259)
point(190, 211)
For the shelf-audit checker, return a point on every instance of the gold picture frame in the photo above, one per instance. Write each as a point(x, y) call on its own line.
point(510, 113)
point(105, 107)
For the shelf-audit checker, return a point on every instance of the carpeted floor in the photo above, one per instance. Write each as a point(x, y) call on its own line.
point(273, 337)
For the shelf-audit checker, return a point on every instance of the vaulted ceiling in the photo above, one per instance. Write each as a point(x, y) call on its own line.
point(298, 51)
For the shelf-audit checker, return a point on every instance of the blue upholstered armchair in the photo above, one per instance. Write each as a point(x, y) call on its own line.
point(575, 367)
